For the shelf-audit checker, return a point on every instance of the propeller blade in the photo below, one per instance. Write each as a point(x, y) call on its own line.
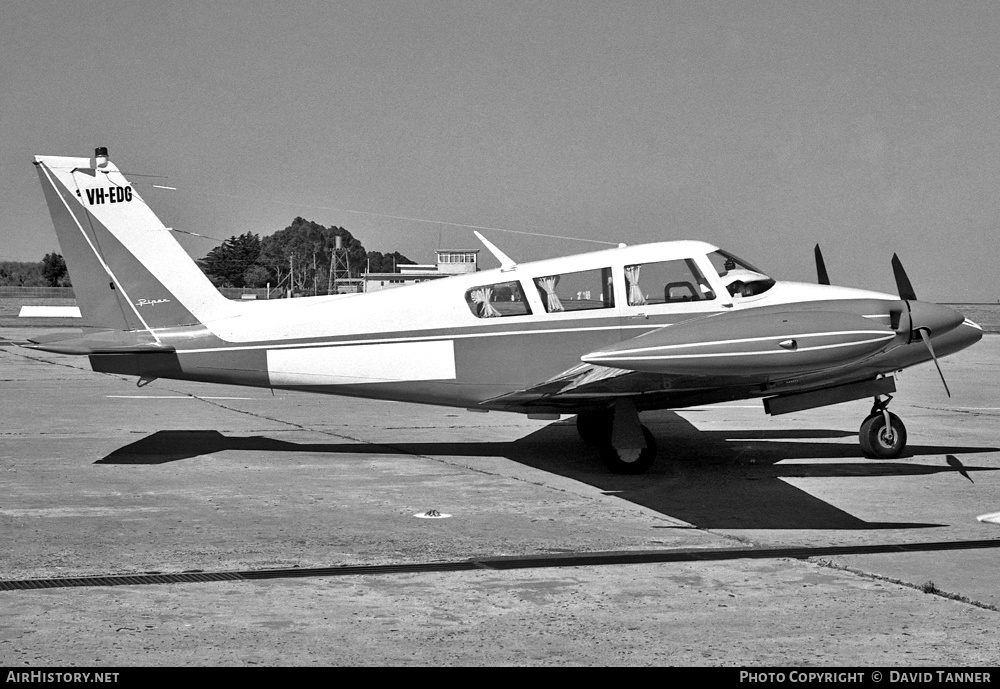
point(902, 281)
point(927, 341)
point(821, 274)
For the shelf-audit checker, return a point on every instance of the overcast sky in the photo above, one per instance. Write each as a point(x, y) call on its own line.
point(763, 127)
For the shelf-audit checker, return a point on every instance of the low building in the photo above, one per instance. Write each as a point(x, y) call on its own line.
point(449, 262)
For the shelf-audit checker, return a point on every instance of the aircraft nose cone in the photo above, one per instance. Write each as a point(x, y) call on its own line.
point(936, 318)
point(970, 334)
point(965, 335)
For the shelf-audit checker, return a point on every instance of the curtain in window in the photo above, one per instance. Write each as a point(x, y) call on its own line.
point(548, 285)
point(481, 297)
point(635, 295)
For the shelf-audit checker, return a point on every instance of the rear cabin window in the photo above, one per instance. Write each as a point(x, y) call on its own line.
point(666, 282)
point(496, 301)
point(579, 291)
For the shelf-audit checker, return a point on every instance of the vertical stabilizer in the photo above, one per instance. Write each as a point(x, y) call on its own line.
point(128, 271)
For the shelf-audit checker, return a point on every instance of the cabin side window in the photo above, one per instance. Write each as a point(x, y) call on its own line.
point(499, 300)
point(666, 282)
point(578, 291)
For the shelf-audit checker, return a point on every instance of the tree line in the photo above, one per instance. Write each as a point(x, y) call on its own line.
point(50, 272)
point(300, 257)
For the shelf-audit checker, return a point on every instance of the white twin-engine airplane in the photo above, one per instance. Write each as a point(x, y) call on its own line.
point(603, 335)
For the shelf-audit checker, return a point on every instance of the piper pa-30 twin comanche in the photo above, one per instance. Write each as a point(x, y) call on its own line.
point(603, 335)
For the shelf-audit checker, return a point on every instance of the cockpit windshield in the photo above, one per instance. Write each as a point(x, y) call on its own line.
point(740, 278)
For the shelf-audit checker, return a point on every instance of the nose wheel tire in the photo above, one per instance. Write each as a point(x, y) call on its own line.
point(879, 441)
point(630, 460)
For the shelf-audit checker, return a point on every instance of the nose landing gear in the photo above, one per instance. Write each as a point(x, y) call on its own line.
point(882, 434)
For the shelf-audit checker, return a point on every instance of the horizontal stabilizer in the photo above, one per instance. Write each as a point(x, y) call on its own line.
point(109, 342)
point(49, 312)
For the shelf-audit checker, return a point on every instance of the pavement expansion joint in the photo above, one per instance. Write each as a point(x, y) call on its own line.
point(928, 587)
point(514, 562)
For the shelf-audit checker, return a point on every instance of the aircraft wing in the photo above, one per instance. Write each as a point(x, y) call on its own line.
point(580, 383)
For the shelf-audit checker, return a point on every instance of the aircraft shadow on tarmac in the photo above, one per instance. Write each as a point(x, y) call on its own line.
point(728, 479)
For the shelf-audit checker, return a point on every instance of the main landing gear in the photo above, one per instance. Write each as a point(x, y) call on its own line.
point(626, 446)
point(882, 434)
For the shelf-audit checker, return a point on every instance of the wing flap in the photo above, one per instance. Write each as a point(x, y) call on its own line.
point(583, 381)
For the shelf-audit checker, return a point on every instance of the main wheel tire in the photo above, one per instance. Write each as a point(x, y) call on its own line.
point(594, 427)
point(875, 437)
point(630, 461)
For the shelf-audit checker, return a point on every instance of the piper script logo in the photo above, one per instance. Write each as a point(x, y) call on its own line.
point(96, 197)
point(147, 302)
